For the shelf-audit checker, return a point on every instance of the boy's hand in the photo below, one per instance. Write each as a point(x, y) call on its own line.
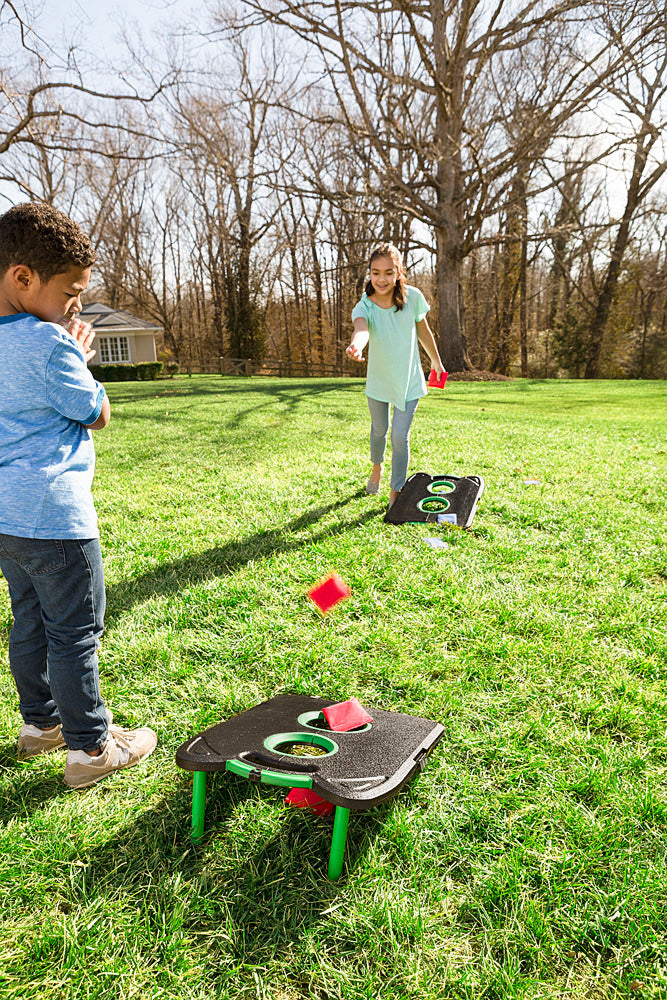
point(83, 333)
point(353, 352)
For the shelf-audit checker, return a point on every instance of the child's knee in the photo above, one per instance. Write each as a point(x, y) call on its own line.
point(380, 433)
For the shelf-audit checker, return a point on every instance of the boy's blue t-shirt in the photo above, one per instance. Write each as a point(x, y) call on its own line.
point(47, 458)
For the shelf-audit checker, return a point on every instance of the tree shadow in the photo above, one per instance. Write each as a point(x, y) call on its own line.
point(281, 393)
point(223, 560)
point(290, 399)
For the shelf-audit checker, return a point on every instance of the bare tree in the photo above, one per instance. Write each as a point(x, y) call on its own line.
point(640, 87)
point(415, 87)
point(224, 136)
point(46, 110)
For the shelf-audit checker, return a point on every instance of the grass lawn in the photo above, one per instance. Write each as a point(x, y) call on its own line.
point(529, 860)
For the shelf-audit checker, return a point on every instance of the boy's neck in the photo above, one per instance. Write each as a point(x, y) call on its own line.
point(7, 307)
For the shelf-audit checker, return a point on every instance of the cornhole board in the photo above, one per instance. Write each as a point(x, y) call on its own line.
point(434, 499)
point(356, 770)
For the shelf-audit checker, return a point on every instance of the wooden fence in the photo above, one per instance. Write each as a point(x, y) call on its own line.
point(276, 368)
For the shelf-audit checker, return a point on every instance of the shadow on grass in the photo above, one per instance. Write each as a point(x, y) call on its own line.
point(264, 892)
point(290, 398)
point(194, 404)
point(25, 789)
point(289, 391)
point(225, 559)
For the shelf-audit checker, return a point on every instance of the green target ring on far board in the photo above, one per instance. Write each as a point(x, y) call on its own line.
point(441, 486)
point(433, 505)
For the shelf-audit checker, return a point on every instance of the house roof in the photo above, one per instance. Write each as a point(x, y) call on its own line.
point(108, 320)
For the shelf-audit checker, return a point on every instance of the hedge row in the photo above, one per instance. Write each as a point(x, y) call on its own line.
point(141, 372)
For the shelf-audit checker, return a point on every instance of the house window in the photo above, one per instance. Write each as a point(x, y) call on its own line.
point(113, 349)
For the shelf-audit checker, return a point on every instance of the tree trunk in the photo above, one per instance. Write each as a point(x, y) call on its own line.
point(523, 306)
point(318, 340)
point(450, 74)
point(645, 142)
point(601, 315)
point(522, 211)
point(451, 341)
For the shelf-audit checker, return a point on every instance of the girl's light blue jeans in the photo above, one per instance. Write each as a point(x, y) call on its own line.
point(400, 437)
point(58, 600)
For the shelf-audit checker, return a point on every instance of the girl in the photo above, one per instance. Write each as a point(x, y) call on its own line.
point(391, 318)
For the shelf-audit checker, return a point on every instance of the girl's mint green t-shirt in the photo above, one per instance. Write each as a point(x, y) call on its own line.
point(394, 373)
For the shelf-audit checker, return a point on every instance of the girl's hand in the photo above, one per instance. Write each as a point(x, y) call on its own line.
point(83, 333)
point(437, 367)
point(353, 352)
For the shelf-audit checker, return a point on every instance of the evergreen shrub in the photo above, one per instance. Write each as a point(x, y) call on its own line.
point(141, 372)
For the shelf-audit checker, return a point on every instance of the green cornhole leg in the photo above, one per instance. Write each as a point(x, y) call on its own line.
point(198, 806)
point(338, 838)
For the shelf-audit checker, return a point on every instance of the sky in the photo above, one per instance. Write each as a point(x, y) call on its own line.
point(84, 22)
point(96, 28)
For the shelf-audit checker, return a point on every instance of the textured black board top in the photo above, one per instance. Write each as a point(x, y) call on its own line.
point(462, 500)
point(369, 767)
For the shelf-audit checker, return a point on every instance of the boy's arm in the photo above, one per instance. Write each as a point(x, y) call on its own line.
point(83, 333)
point(359, 340)
point(70, 387)
point(104, 417)
point(427, 341)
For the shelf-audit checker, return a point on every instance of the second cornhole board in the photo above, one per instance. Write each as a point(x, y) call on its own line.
point(434, 499)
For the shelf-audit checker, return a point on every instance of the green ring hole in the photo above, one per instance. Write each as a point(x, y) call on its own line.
point(441, 486)
point(293, 740)
point(433, 505)
point(315, 720)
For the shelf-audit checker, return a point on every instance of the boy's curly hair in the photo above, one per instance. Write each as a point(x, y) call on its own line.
point(41, 237)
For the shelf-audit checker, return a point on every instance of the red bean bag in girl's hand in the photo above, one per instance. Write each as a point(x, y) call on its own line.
point(435, 382)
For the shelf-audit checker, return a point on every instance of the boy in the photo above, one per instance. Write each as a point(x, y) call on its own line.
point(49, 542)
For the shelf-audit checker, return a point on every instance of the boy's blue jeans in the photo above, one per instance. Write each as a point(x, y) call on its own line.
point(400, 437)
point(58, 599)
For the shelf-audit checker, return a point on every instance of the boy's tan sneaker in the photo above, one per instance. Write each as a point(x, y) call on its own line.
point(123, 748)
point(33, 740)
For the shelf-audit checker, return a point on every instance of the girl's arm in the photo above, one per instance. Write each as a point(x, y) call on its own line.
point(359, 340)
point(427, 341)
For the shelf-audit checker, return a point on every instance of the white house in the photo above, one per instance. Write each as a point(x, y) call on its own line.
point(119, 336)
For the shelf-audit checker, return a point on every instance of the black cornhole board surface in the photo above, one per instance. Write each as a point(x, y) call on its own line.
point(462, 499)
point(370, 766)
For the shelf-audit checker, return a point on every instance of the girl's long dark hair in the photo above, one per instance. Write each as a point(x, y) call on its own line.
point(400, 294)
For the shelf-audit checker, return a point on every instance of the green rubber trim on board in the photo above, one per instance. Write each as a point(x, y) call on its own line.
point(267, 777)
